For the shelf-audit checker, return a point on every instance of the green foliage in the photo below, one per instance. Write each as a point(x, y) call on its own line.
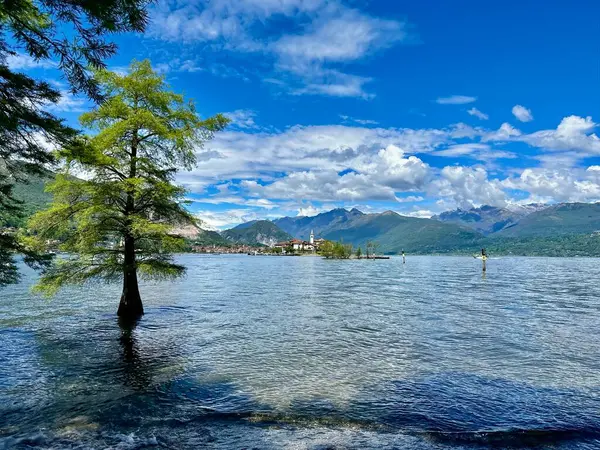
point(38, 27)
point(119, 218)
point(372, 248)
point(566, 245)
point(358, 252)
point(26, 130)
point(336, 250)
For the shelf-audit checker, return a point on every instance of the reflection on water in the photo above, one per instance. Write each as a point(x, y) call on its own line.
point(260, 352)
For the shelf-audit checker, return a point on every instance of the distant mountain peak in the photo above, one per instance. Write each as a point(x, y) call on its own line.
point(263, 232)
point(488, 219)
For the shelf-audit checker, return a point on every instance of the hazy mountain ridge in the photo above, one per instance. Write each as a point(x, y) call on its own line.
point(394, 233)
point(32, 193)
point(488, 219)
point(258, 232)
point(562, 219)
point(322, 224)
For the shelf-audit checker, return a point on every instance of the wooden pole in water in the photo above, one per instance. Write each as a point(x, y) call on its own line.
point(483, 258)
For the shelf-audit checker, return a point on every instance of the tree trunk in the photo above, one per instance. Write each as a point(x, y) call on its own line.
point(130, 307)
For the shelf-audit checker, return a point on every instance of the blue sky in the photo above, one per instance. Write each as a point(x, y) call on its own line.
point(417, 107)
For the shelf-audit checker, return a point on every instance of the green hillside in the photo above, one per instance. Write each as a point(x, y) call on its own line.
point(33, 196)
point(209, 237)
point(556, 220)
point(485, 219)
point(395, 233)
point(261, 232)
point(322, 224)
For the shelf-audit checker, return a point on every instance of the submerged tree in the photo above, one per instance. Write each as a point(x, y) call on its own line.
point(372, 247)
point(116, 222)
point(36, 31)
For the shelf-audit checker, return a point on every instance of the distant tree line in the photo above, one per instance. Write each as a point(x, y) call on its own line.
point(336, 250)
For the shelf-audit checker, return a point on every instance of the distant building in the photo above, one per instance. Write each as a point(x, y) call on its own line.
point(299, 245)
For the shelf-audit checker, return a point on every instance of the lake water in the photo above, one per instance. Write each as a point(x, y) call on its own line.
point(304, 353)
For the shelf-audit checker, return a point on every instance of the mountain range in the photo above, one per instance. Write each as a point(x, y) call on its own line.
point(535, 229)
point(489, 219)
point(257, 232)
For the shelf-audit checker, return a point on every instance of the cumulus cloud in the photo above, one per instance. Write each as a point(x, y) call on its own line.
point(506, 132)
point(243, 155)
point(468, 187)
point(521, 113)
point(322, 185)
point(377, 177)
point(558, 185)
point(480, 115)
point(342, 164)
point(456, 100)
point(573, 133)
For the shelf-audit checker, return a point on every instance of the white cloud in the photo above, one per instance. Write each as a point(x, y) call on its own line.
point(506, 132)
point(242, 118)
point(67, 103)
point(419, 213)
point(477, 151)
point(521, 113)
point(558, 185)
point(328, 33)
point(462, 150)
point(378, 177)
point(455, 100)
point(573, 133)
point(480, 115)
point(410, 199)
point(468, 187)
point(334, 84)
point(310, 210)
point(219, 220)
point(342, 36)
point(359, 121)
point(322, 185)
point(242, 155)
point(341, 164)
point(22, 61)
